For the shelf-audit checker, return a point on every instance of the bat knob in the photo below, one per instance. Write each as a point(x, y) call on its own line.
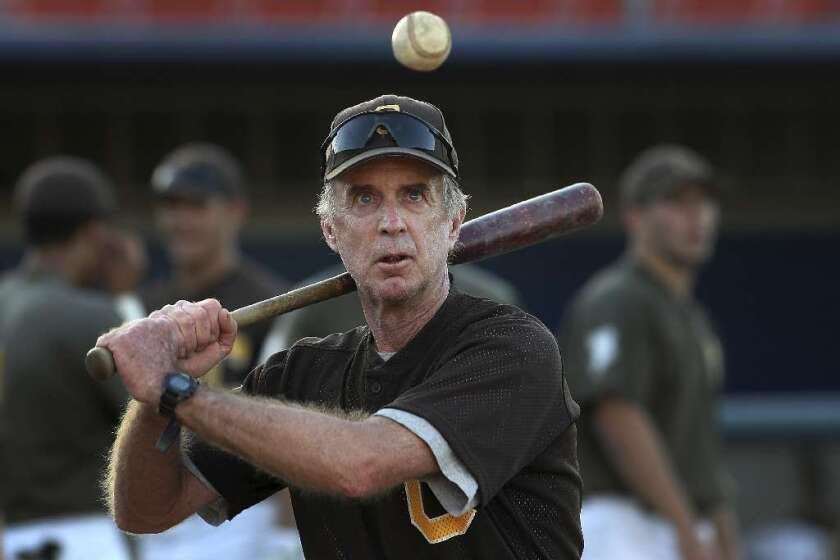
point(100, 363)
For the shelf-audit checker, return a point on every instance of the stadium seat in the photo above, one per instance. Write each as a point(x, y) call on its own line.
point(189, 11)
point(721, 12)
point(296, 11)
point(60, 9)
point(538, 12)
point(390, 11)
point(705, 12)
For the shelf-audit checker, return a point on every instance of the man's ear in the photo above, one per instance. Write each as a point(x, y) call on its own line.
point(455, 228)
point(329, 234)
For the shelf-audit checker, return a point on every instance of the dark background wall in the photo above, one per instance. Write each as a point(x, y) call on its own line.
point(531, 106)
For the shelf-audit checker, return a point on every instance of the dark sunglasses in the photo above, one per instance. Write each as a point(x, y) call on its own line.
point(355, 136)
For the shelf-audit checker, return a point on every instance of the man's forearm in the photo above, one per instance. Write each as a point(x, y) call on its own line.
point(638, 455)
point(144, 484)
point(726, 526)
point(307, 448)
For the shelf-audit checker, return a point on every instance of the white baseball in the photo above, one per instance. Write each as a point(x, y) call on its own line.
point(421, 41)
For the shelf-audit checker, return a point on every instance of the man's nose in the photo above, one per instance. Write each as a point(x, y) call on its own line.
point(391, 220)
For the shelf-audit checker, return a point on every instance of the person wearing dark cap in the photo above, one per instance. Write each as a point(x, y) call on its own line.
point(57, 423)
point(646, 365)
point(200, 208)
point(443, 428)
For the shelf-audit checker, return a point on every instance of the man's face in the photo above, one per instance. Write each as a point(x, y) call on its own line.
point(681, 227)
point(197, 230)
point(391, 228)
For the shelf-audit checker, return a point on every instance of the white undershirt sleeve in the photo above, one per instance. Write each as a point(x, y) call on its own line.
point(454, 486)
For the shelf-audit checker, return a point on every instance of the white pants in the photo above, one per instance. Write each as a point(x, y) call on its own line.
point(253, 534)
point(89, 537)
point(616, 528)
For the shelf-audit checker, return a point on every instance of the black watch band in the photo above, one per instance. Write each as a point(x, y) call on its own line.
point(177, 387)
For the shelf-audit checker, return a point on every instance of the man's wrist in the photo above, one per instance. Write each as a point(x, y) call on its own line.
point(177, 387)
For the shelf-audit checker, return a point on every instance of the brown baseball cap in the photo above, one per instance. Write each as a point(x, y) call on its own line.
point(389, 125)
point(663, 170)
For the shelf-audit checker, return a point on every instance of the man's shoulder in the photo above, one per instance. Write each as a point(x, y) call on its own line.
point(11, 283)
point(338, 342)
point(63, 298)
point(48, 310)
point(487, 319)
point(618, 285)
point(471, 309)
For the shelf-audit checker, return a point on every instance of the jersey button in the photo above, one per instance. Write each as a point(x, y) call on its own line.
point(375, 387)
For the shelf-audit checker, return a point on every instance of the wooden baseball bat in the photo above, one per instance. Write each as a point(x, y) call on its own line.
point(518, 226)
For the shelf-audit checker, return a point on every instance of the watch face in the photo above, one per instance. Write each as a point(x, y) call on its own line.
point(179, 383)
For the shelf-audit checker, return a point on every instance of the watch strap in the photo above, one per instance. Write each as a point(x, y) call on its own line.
point(168, 436)
point(169, 399)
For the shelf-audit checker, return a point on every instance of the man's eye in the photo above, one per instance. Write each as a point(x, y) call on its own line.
point(415, 195)
point(365, 198)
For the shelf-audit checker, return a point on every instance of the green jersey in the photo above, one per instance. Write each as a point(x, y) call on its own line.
point(627, 336)
point(58, 423)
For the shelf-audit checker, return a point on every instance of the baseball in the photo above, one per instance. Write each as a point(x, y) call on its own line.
point(421, 41)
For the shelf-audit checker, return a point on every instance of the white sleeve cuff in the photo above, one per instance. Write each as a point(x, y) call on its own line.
point(454, 486)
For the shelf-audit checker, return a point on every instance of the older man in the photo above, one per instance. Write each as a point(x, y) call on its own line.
point(443, 429)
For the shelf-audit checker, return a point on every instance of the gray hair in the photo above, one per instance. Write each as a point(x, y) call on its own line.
point(454, 199)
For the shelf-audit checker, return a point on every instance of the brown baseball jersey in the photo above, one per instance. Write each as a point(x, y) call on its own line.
point(488, 378)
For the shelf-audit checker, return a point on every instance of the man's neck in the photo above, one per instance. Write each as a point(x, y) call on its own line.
point(193, 278)
point(394, 326)
point(678, 279)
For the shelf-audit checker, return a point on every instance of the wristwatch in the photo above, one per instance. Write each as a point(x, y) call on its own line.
point(177, 387)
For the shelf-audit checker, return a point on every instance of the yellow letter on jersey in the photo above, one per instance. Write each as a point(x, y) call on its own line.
point(437, 529)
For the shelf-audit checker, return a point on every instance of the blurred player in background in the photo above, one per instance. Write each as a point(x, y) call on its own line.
point(345, 312)
point(201, 205)
point(646, 365)
point(57, 423)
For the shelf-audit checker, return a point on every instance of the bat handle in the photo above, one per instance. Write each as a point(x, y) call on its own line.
point(99, 363)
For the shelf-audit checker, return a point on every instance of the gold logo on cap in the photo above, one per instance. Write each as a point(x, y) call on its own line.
point(393, 107)
point(381, 130)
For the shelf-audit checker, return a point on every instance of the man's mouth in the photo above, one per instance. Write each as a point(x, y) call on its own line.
point(393, 259)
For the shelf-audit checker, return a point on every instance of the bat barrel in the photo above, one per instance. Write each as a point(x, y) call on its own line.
point(529, 222)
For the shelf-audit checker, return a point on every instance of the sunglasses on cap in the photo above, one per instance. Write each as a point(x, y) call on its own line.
point(371, 134)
